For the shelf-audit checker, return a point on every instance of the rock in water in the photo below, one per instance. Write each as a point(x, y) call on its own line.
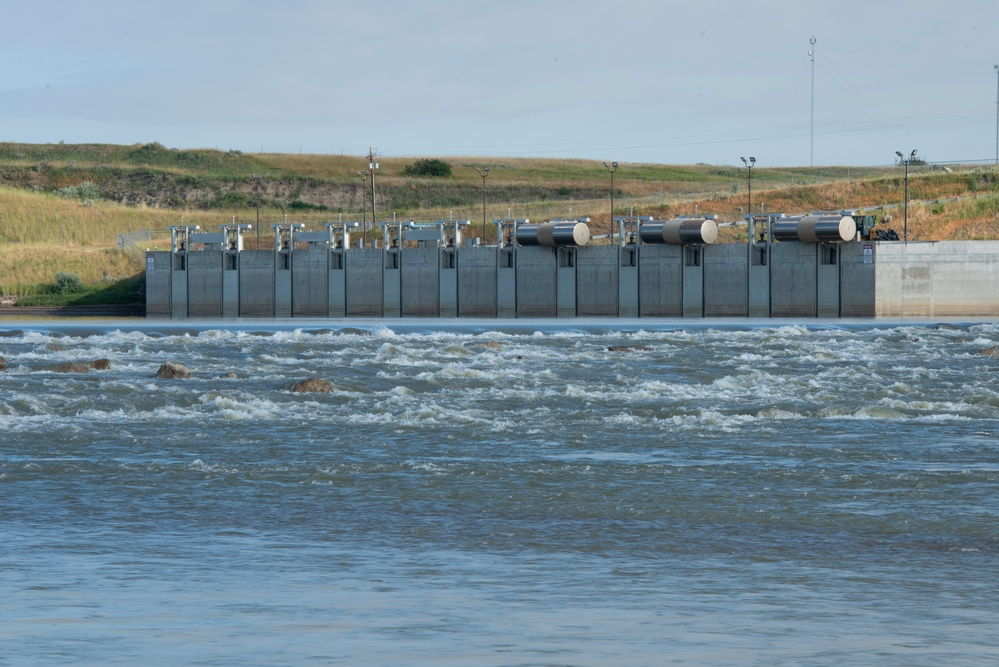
point(628, 348)
point(172, 370)
point(72, 368)
point(100, 364)
point(313, 385)
point(228, 376)
point(990, 352)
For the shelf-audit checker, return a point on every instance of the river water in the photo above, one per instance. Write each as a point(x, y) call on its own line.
point(485, 494)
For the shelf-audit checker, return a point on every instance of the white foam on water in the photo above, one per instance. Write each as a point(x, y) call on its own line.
point(402, 394)
point(876, 412)
point(382, 332)
point(240, 407)
point(777, 414)
point(214, 468)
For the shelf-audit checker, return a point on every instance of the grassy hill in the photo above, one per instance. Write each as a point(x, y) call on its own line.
point(62, 206)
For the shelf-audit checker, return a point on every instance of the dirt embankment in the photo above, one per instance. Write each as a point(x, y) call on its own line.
point(165, 189)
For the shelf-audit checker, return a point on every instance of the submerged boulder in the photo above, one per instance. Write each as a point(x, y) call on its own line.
point(72, 368)
point(628, 348)
point(229, 376)
point(313, 385)
point(100, 364)
point(171, 370)
point(990, 352)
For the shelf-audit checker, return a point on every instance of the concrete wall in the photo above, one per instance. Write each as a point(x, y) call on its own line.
point(565, 282)
point(792, 287)
point(364, 282)
point(477, 282)
point(310, 283)
point(158, 277)
point(536, 282)
point(230, 285)
point(759, 280)
point(204, 284)
point(660, 284)
point(627, 281)
point(420, 287)
point(726, 274)
point(256, 283)
point(447, 300)
point(865, 279)
point(178, 285)
point(337, 284)
point(597, 282)
point(283, 262)
point(692, 286)
point(857, 286)
point(392, 283)
point(506, 282)
point(827, 287)
point(944, 278)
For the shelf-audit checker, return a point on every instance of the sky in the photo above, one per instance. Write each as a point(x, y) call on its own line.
point(640, 81)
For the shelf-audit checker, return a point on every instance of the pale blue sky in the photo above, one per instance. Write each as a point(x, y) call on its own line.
point(625, 80)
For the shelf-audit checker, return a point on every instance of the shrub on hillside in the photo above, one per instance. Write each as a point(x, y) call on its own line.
point(299, 205)
point(68, 283)
point(85, 191)
point(433, 168)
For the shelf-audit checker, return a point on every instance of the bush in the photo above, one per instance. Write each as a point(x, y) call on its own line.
point(433, 168)
point(68, 283)
point(233, 199)
point(299, 205)
point(85, 191)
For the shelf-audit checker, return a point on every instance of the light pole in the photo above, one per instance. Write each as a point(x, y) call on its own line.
point(612, 167)
point(256, 204)
point(811, 150)
point(364, 208)
point(905, 161)
point(749, 170)
point(484, 172)
point(997, 113)
point(372, 166)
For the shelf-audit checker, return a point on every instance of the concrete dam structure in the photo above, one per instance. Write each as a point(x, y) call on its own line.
point(813, 266)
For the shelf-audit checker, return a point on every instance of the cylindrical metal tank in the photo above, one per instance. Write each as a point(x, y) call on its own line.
point(682, 231)
point(816, 229)
point(554, 234)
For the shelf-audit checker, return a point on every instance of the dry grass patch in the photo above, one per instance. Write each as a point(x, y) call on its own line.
point(24, 267)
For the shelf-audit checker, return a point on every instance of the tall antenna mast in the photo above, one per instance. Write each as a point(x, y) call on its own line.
point(811, 153)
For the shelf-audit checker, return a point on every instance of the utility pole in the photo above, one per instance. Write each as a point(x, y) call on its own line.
point(612, 167)
point(811, 152)
point(906, 160)
point(364, 207)
point(484, 173)
point(997, 113)
point(256, 203)
point(372, 165)
point(749, 181)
